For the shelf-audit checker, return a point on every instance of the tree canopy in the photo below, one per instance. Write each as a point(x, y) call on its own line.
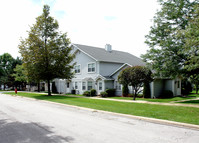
point(135, 76)
point(166, 56)
point(46, 52)
point(191, 47)
point(7, 64)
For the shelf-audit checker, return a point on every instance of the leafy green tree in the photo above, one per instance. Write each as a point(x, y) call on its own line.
point(6, 69)
point(191, 47)
point(20, 75)
point(165, 55)
point(146, 90)
point(136, 77)
point(46, 52)
point(123, 78)
point(195, 80)
point(125, 90)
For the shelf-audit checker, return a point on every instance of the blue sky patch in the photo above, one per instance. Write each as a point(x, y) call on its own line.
point(60, 13)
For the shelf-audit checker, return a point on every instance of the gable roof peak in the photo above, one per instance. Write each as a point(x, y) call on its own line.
point(100, 54)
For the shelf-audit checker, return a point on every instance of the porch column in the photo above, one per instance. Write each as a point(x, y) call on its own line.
point(152, 89)
point(173, 87)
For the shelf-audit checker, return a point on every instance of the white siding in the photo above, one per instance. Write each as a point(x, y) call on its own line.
point(168, 84)
point(83, 60)
point(109, 84)
point(107, 68)
point(158, 87)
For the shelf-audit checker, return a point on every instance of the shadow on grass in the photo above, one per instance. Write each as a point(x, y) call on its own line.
point(191, 101)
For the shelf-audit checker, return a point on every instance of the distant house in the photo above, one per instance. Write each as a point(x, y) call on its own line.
point(98, 68)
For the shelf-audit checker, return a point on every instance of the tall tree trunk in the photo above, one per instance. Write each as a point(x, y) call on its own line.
point(49, 93)
point(135, 92)
point(196, 89)
point(134, 96)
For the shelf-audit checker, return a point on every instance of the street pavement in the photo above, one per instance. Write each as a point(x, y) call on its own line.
point(24, 120)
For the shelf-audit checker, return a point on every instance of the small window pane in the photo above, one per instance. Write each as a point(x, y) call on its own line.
point(90, 85)
point(77, 69)
point(118, 86)
point(76, 86)
point(100, 85)
point(91, 67)
point(83, 85)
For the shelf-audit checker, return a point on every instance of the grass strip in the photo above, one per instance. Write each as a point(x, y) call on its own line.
point(191, 102)
point(166, 100)
point(172, 113)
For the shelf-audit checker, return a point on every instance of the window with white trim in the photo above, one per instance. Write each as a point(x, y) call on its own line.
point(90, 85)
point(83, 85)
point(76, 85)
point(118, 86)
point(91, 67)
point(100, 85)
point(77, 68)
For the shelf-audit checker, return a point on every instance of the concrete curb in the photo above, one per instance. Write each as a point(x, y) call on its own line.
point(148, 119)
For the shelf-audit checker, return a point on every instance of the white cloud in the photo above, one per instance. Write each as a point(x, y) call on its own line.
point(16, 17)
point(121, 23)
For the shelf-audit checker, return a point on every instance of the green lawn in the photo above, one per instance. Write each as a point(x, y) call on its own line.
point(155, 100)
point(173, 113)
point(191, 102)
point(190, 96)
point(75, 94)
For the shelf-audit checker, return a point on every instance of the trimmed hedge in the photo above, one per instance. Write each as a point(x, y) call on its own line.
point(103, 94)
point(87, 93)
point(93, 92)
point(110, 92)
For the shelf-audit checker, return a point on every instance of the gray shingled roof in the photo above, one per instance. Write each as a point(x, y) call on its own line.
point(100, 54)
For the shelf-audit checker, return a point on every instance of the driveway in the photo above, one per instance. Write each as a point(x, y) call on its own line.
point(25, 120)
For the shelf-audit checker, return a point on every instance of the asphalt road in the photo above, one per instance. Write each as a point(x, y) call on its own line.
point(25, 120)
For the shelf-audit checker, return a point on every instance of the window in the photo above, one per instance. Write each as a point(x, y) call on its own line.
point(118, 86)
point(91, 67)
point(90, 85)
point(100, 85)
point(77, 68)
point(68, 84)
point(83, 85)
point(76, 86)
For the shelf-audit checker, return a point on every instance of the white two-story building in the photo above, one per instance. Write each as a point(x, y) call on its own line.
point(98, 68)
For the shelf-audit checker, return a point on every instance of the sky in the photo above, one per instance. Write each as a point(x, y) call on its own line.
point(121, 23)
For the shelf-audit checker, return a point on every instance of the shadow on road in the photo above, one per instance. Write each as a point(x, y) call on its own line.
point(16, 132)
